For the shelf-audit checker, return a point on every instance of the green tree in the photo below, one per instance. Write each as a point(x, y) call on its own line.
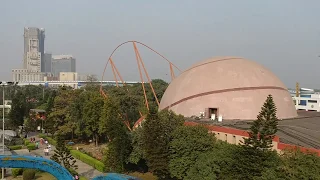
point(61, 111)
point(255, 156)
point(214, 164)
point(17, 112)
point(129, 102)
point(263, 130)
point(295, 165)
point(76, 115)
point(62, 155)
point(119, 147)
point(91, 114)
point(49, 122)
point(137, 155)
point(188, 143)
point(30, 125)
point(157, 132)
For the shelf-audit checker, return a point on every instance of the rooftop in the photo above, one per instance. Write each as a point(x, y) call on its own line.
point(301, 131)
point(57, 57)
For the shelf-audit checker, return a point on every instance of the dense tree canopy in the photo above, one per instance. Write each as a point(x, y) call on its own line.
point(162, 145)
point(188, 143)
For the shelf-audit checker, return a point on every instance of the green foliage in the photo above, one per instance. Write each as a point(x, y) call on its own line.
point(119, 147)
point(88, 160)
point(92, 114)
point(30, 125)
point(16, 115)
point(60, 113)
point(26, 142)
point(188, 143)
point(29, 174)
point(156, 138)
point(255, 155)
point(62, 154)
point(31, 146)
point(295, 165)
point(83, 178)
point(249, 163)
point(214, 164)
point(16, 141)
point(16, 172)
point(16, 147)
point(111, 121)
point(263, 130)
point(73, 172)
point(137, 154)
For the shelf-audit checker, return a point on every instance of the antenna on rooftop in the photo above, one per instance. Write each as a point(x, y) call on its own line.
point(297, 89)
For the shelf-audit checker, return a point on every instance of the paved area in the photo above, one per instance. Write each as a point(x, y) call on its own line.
point(83, 169)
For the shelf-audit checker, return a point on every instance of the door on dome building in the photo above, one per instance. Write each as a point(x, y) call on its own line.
point(213, 112)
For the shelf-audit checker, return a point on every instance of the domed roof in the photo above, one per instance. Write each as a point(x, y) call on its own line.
point(236, 87)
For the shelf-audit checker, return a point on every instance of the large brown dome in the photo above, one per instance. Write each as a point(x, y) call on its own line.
point(233, 87)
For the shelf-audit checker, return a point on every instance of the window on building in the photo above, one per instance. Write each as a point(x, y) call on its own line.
point(312, 101)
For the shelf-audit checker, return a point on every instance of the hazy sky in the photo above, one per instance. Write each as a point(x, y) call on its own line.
point(283, 35)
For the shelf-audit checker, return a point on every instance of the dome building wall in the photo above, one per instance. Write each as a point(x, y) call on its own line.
point(235, 87)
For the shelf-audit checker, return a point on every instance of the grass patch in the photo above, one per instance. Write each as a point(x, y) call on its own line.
point(44, 176)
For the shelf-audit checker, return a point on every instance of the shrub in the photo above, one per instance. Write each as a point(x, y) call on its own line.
point(29, 174)
point(16, 141)
point(31, 147)
point(15, 147)
point(26, 142)
point(98, 165)
point(17, 172)
point(72, 172)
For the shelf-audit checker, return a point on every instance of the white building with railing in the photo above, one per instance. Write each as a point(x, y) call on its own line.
point(308, 100)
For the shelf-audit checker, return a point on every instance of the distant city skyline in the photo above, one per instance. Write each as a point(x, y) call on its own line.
point(282, 35)
point(41, 66)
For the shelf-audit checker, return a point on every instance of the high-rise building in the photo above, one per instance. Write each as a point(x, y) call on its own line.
point(62, 63)
point(46, 65)
point(33, 49)
point(33, 57)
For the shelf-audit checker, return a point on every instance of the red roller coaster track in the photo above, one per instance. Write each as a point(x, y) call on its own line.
point(142, 69)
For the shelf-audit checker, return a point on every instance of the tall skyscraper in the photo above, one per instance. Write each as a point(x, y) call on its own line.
point(40, 66)
point(33, 56)
point(34, 49)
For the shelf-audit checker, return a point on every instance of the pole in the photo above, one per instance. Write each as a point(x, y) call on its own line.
point(3, 109)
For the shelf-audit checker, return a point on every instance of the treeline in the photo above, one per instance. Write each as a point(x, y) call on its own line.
point(164, 145)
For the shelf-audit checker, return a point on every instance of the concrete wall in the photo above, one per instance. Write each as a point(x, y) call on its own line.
point(69, 76)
